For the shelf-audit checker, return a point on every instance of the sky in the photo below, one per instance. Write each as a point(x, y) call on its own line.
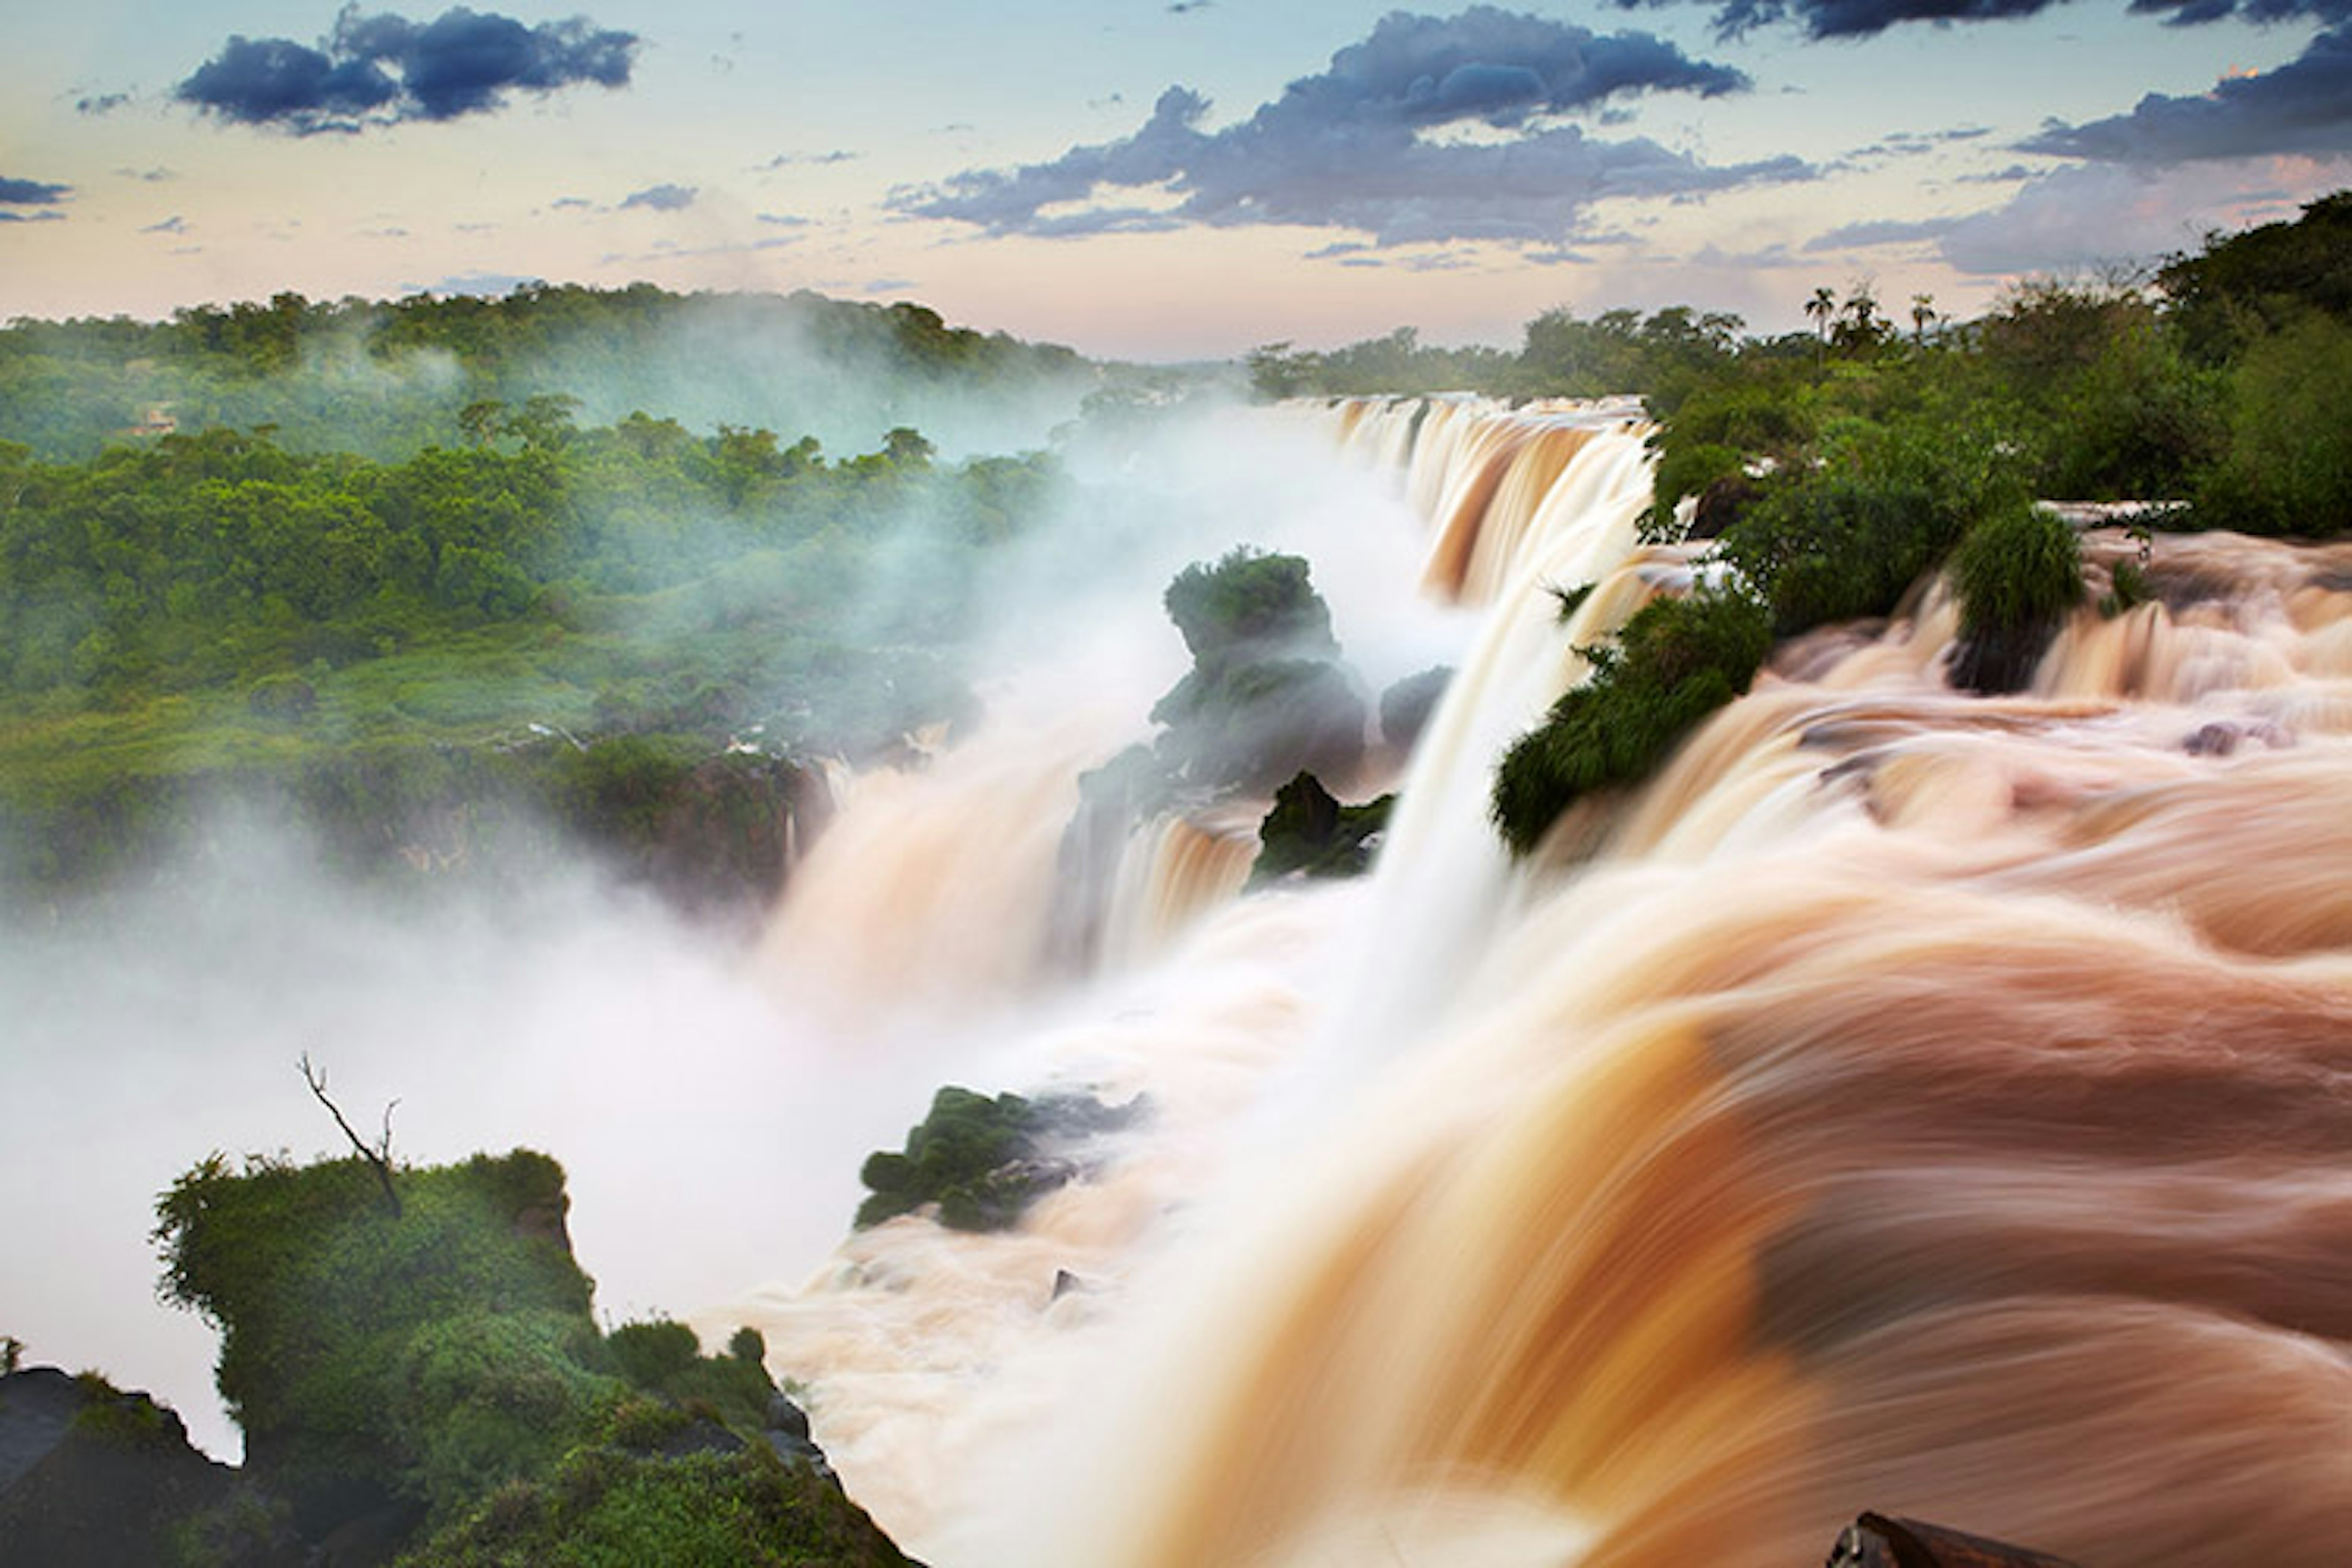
point(1155, 180)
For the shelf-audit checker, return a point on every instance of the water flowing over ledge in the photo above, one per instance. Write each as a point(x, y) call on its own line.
point(1910, 1100)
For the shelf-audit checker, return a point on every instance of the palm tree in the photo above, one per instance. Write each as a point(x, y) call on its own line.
point(1822, 308)
point(1923, 312)
point(1858, 322)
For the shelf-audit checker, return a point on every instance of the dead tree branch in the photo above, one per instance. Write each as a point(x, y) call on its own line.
point(379, 1157)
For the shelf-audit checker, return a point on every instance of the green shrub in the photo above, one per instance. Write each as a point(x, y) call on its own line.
point(2288, 468)
point(1677, 661)
point(1848, 538)
point(487, 1397)
point(650, 1353)
point(969, 1157)
point(609, 1507)
point(1250, 604)
point(2017, 574)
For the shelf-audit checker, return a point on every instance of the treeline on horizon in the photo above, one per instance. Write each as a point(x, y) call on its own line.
point(2216, 381)
point(388, 378)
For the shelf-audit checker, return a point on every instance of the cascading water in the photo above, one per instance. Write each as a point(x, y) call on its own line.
point(1909, 1101)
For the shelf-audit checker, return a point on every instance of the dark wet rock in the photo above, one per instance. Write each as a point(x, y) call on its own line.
point(93, 1475)
point(1406, 706)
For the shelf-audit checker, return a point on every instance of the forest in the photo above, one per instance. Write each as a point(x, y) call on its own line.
point(361, 595)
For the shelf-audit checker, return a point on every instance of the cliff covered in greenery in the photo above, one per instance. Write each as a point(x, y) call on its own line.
point(411, 1354)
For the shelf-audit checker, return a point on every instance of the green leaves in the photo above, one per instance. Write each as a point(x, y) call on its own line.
point(1677, 661)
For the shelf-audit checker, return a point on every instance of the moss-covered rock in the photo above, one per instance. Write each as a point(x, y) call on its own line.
point(2018, 573)
point(375, 1358)
point(982, 1161)
point(1310, 833)
point(92, 1476)
point(1406, 706)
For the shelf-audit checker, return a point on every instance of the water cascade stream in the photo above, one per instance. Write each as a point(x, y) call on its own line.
point(1908, 1101)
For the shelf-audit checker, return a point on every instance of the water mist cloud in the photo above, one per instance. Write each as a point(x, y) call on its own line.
point(1431, 128)
point(382, 70)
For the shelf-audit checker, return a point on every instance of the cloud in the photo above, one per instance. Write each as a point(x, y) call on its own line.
point(1430, 130)
point(485, 285)
point(788, 159)
point(382, 70)
point(1918, 143)
point(661, 198)
point(31, 193)
point(176, 223)
point(1878, 231)
point(1857, 18)
point(2192, 13)
point(151, 176)
point(2304, 106)
point(101, 102)
point(784, 220)
point(2094, 216)
point(51, 215)
point(1861, 18)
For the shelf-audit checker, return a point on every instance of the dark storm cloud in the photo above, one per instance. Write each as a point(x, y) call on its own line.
point(1431, 128)
point(382, 70)
point(2304, 105)
point(1860, 19)
point(30, 192)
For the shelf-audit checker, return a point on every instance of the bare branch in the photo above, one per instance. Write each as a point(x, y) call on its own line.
point(379, 1158)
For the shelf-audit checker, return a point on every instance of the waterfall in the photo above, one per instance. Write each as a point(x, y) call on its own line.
point(1909, 1101)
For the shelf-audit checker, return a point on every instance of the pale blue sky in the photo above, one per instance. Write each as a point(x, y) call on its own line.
point(874, 150)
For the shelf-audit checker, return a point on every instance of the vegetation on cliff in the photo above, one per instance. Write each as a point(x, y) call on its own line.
point(409, 1349)
point(1266, 694)
point(980, 1161)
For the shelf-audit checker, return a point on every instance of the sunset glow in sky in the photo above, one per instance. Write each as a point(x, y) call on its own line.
point(1146, 179)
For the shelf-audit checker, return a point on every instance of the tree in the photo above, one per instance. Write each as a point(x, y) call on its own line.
point(1923, 315)
point(1824, 309)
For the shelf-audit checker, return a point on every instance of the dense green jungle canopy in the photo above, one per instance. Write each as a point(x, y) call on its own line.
point(369, 548)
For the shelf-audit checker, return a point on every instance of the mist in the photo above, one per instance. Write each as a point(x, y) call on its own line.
point(711, 1100)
